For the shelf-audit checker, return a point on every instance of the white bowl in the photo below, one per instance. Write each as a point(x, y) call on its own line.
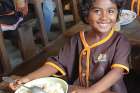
point(41, 82)
point(126, 17)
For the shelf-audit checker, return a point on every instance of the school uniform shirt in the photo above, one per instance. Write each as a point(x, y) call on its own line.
point(88, 64)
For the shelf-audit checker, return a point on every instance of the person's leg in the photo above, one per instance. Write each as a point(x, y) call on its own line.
point(48, 10)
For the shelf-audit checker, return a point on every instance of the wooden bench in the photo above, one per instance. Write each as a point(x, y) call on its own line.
point(25, 34)
point(25, 43)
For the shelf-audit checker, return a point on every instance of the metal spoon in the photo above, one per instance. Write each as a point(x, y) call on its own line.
point(33, 89)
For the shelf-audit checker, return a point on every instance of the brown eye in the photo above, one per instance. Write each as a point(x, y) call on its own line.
point(97, 11)
point(112, 11)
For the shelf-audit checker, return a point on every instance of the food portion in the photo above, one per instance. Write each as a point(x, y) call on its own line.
point(49, 88)
point(48, 84)
point(53, 88)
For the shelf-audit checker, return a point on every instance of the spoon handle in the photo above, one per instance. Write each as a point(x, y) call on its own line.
point(8, 80)
point(34, 89)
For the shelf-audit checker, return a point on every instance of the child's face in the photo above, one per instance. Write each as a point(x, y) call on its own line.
point(102, 16)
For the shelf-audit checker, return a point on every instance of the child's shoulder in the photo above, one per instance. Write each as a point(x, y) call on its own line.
point(74, 36)
point(121, 37)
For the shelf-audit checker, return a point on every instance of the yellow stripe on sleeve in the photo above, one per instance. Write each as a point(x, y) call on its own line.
point(120, 66)
point(57, 67)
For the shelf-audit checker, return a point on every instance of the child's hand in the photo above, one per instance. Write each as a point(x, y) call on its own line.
point(21, 6)
point(18, 82)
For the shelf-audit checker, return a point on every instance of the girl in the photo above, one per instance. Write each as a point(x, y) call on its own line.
point(94, 60)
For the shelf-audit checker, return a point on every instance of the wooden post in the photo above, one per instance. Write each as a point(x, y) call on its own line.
point(74, 7)
point(4, 59)
point(39, 12)
point(26, 41)
point(60, 15)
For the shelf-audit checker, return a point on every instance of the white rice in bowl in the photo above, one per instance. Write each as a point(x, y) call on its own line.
point(48, 84)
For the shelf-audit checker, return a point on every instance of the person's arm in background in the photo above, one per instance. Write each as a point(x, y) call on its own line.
point(21, 6)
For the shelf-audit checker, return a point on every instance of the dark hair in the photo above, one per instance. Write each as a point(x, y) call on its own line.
point(86, 5)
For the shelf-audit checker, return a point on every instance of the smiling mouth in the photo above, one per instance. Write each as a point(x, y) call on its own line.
point(103, 25)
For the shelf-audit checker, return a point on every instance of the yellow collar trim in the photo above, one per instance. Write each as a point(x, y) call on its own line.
point(86, 51)
point(98, 43)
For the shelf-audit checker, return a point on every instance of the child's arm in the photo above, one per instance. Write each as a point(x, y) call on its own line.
point(45, 70)
point(105, 83)
point(108, 80)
